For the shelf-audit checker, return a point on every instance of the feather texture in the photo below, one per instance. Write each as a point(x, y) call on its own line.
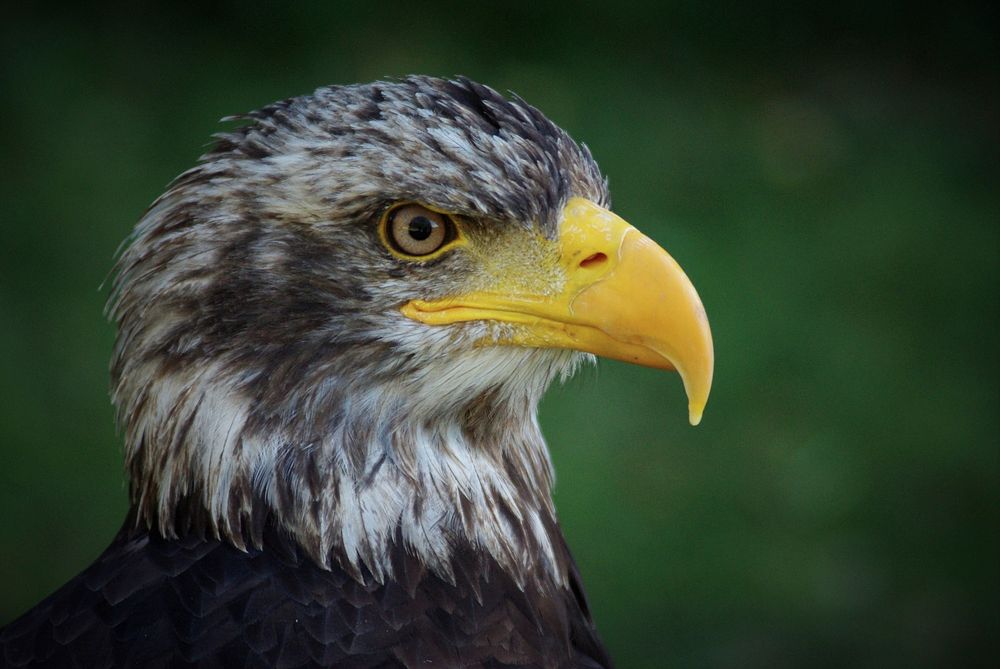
point(316, 480)
point(151, 602)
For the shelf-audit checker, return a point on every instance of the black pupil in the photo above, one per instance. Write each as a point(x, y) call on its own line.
point(421, 228)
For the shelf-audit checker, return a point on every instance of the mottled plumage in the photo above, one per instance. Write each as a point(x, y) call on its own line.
point(331, 443)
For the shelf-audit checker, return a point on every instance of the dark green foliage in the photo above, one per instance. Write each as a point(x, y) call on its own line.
point(828, 179)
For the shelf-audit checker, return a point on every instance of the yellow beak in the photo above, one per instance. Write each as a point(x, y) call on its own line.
point(623, 297)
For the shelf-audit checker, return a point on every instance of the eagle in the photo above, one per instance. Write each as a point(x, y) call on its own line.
point(332, 336)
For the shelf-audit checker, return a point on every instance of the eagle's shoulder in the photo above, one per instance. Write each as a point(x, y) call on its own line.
point(150, 602)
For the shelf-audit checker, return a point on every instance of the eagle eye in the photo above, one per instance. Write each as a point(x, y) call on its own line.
point(414, 231)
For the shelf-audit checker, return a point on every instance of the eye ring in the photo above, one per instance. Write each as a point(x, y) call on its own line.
point(416, 232)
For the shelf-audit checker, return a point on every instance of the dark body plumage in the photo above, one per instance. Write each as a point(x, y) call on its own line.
point(151, 602)
point(315, 479)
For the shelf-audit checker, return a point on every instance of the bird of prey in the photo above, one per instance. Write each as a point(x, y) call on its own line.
point(333, 333)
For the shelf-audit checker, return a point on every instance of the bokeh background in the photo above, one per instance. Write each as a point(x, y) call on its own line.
point(828, 177)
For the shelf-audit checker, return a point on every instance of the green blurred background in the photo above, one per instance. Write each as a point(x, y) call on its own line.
point(828, 177)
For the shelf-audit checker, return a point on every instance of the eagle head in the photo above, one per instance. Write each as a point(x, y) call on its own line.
point(341, 320)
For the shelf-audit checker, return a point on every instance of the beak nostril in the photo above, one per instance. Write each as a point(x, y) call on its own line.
point(593, 259)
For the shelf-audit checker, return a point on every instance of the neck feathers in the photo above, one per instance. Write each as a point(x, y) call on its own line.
point(349, 473)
